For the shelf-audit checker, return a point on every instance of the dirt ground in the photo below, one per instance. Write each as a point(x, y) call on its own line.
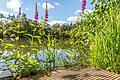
point(78, 72)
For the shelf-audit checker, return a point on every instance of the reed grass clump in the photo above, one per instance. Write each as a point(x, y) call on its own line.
point(105, 44)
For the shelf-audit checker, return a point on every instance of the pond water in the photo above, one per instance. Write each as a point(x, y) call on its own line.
point(61, 54)
point(9, 51)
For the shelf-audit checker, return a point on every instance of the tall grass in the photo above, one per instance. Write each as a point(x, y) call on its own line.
point(97, 36)
point(105, 45)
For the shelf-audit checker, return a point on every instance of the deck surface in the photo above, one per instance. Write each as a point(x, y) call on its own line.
point(81, 74)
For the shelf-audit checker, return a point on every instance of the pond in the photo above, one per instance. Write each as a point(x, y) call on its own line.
point(15, 54)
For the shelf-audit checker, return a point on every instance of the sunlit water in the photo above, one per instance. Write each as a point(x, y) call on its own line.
point(61, 54)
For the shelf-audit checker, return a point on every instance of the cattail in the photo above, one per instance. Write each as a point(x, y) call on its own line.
point(46, 12)
point(36, 13)
point(83, 5)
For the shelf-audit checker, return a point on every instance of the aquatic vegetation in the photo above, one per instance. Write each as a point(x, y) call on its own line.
point(23, 57)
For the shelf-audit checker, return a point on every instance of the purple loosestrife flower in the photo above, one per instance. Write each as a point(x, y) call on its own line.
point(36, 16)
point(83, 5)
point(46, 15)
point(46, 12)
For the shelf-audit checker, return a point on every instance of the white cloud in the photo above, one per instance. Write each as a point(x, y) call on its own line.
point(57, 4)
point(77, 12)
point(72, 18)
point(50, 6)
point(14, 4)
point(4, 20)
point(26, 9)
point(56, 21)
point(4, 12)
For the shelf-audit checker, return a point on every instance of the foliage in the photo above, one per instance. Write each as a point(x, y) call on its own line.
point(105, 43)
point(25, 39)
point(98, 36)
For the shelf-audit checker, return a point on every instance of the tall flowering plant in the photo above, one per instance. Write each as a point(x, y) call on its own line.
point(46, 15)
point(36, 16)
point(83, 5)
point(46, 12)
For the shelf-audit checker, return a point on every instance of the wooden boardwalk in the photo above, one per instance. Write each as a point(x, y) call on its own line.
point(82, 74)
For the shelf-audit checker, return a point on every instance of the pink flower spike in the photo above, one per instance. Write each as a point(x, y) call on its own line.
point(46, 12)
point(83, 5)
point(36, 16)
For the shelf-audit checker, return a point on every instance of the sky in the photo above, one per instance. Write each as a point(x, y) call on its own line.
point(60, 11)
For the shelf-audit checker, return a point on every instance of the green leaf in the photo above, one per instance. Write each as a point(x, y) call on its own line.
point(22, 46)
point(36, 36)
point(4, 32)
point(19, 55)
point(35, 29)
point(12, 39)
point(29, 35)
point(34, 49)
point(12, 35)
point(1, 40)
point(10, 45)
point(13, 66)
point(17, 38)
